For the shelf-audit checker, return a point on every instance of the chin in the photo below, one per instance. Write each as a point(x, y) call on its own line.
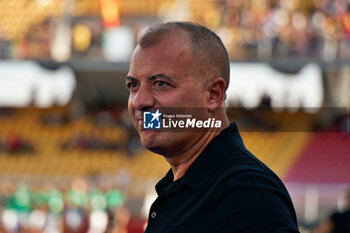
point(153, 141)
point(149, 138)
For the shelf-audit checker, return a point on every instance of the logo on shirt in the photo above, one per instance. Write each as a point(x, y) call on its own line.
point(151, 120)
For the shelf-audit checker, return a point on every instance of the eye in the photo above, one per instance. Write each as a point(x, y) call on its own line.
point(132, 85)
point(161, 84)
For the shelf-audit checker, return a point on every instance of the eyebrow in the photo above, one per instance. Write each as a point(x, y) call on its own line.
point(151, 78)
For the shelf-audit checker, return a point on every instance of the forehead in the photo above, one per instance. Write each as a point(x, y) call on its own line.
point(169, 55)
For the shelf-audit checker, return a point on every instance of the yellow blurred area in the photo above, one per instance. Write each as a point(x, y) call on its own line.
point(17, 16)
point(50, 159)
point(81, 37)
point(279, 150)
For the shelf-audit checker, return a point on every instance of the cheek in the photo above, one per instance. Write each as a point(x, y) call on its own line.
point(193, 97)
point(129, 105)
point(130, 108)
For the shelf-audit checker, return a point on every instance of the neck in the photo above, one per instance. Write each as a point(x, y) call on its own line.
point(181, 162)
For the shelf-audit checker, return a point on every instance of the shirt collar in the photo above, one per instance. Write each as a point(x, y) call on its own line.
point(208, 161)
point(165, 182)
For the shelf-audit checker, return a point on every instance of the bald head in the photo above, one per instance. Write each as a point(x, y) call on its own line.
point(209, 56)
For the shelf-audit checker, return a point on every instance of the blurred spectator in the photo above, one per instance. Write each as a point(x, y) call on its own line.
point(14, 144)
point(339, 222)
point(32, 209)
point(104, 119)
point(90, 142)
point(54, 119)
point(121, 220)
point(78, 141)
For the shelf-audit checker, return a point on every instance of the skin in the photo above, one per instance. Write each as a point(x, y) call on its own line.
point(164, 75)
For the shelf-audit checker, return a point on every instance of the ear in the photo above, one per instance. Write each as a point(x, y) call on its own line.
point(215, 93)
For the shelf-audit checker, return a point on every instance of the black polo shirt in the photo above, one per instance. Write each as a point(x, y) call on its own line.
point(226, 189)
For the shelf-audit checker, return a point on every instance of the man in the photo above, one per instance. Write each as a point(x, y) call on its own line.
point(339, 222)
point(214, 184)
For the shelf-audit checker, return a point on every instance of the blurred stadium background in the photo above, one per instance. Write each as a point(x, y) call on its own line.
point(70, 160)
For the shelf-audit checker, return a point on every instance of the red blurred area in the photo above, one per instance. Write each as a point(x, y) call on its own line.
point(110, 13)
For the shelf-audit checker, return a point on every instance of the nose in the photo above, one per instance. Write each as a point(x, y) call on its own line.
point(143, 99)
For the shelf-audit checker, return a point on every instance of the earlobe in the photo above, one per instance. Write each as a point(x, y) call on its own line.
point(216, 93)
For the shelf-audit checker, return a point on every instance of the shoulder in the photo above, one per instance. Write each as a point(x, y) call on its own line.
point(248, 189)
point(242, 167)
point(254, 181)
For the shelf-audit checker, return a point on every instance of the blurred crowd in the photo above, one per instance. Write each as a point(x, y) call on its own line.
point(251, 29)
point(282, 28)
point(94, 133)
point(48, 208)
